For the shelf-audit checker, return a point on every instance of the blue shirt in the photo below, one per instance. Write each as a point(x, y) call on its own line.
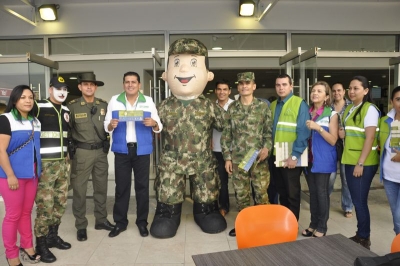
point(302, 131)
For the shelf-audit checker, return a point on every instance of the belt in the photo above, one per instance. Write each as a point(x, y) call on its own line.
point(131, 144)
point(89, 146)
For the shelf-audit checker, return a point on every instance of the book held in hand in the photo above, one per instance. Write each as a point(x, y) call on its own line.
point(283, 150)
point(248, 160)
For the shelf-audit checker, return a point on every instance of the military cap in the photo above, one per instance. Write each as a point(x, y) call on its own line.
point(58, 82)
point(245, 76)
point(187, 46)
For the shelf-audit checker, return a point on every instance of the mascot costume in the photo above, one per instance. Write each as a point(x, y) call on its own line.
point(188, 118)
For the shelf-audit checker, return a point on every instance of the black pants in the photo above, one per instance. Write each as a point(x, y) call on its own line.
point(272, 190)
point(223, 176)
point(288, 186)
point(124, 163)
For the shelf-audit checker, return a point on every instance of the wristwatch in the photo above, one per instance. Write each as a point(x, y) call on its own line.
point(360, 164)
point(155, 125)
point(294, 158)
point(321, 129)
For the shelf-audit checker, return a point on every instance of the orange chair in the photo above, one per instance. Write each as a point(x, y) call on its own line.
point(265, 225)
point(396, 244)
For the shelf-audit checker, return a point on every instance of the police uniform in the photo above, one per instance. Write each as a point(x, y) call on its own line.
point(89, 159)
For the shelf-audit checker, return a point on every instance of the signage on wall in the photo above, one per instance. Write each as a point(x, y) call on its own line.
point(5, 95)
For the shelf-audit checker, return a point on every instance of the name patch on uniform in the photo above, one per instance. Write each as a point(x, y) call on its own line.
point(102, 111)
point(200, 113)
point(81, 115)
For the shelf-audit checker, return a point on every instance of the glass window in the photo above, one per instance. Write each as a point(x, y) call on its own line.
point(238, 41)
point(106, 44)
point(343, 42)
point(21, 47)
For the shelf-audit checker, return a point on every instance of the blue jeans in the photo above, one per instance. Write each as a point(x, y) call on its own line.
point(359, 190)
point(318, 184)
point(393, 194)
point(347, 204)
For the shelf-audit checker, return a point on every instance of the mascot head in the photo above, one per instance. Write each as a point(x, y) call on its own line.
point(58, 90)
point(187, 71)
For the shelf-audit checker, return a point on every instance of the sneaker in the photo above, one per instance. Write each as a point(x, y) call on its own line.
point(348, 214)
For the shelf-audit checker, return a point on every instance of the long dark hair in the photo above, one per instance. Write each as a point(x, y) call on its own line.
point(367, 97)
point(394, 91)
point(15, 96)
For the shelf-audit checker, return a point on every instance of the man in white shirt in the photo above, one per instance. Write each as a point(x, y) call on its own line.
point(222, 91)
point(132, 132)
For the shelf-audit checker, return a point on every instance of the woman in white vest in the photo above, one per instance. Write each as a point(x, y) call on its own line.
point(19, 172)
point(360, 155)
point(324, 125)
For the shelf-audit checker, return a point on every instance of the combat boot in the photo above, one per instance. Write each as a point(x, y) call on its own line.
point(54, 241)
point(44, 252)
point(166, 220)
point(208, 217)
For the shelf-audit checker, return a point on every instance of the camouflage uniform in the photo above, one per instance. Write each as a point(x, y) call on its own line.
point(187, 141)
point(248, 127)
point(51, 196)
point(88, 161)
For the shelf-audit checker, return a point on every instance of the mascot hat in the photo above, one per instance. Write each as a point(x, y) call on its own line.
point(188, 46)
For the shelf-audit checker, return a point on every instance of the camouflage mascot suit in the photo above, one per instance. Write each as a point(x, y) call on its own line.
point(188, 118)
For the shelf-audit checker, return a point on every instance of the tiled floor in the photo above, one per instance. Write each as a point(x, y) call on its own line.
point(130, 249)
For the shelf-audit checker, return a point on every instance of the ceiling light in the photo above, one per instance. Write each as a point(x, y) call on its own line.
point(73, 78)
point(217, 48)
point(327, 76)
point(246, 8)
point(48, 12)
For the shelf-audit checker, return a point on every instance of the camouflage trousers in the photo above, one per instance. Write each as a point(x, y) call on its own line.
point(258, 177)
point(170, 187)
point(51, 196)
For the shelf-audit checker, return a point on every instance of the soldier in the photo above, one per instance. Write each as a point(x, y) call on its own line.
point(187, 118)
point(52, 192)
point(92, 144)
point(248, 126)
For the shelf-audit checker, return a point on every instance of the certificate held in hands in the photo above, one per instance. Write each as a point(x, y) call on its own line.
point(125, 116)
point(284, 149)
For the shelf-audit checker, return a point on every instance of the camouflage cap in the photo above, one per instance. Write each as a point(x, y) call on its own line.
point(246, 76)
point(187, 46)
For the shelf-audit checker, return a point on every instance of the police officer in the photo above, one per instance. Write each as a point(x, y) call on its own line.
point(248, 126)
point(51, 196)
point(90, 158)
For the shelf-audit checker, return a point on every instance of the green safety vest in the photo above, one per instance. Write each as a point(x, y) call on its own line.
point(355, 137)
point(384, 131)
point(287, 123)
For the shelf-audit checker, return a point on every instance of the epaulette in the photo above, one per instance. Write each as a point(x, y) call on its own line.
point(73, 101)
point(100, 100)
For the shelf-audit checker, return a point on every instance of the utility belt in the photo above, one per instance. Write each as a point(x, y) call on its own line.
point(89, 146)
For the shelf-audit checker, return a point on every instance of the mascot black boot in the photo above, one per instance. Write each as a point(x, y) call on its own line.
point(208, 217)
point(166, 220)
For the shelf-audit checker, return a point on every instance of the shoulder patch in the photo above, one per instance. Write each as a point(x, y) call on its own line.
point(73, 101)
point(101, 100)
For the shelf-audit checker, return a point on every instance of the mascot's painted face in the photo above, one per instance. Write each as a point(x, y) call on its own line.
point(58, 95)
point(187, 75)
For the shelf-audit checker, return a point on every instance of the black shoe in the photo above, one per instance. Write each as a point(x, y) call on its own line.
point(166, 220)
point(116, 231)
point(104, 226)
point(32, 259)
point(232, 232)
point(308, 233)
point(44, 252)
point(20, 264)
point(81, 235)
point(143, 230)
point(54, 241)
point(208, 217)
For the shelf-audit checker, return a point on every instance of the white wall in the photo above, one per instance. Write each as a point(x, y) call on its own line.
point(200, 16)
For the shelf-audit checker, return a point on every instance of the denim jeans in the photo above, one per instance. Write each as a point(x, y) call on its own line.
point(347, 204)
point(393, 194)
point(359, 190)
point(318, 184)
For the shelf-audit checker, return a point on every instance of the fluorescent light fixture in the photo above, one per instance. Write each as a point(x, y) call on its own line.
point(263, 7)
point(1, 55)
point(246, 8)
point(73, 78)
point(210, 90)
point(217, 48)
point(327, 76)
point(48, 12)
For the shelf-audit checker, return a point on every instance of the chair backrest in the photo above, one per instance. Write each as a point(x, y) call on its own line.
point(396, 244)
point(265, 225)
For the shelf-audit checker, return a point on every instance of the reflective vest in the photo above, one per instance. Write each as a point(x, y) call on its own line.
point(355, 137)
point(53, 137)
point(285, 130)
